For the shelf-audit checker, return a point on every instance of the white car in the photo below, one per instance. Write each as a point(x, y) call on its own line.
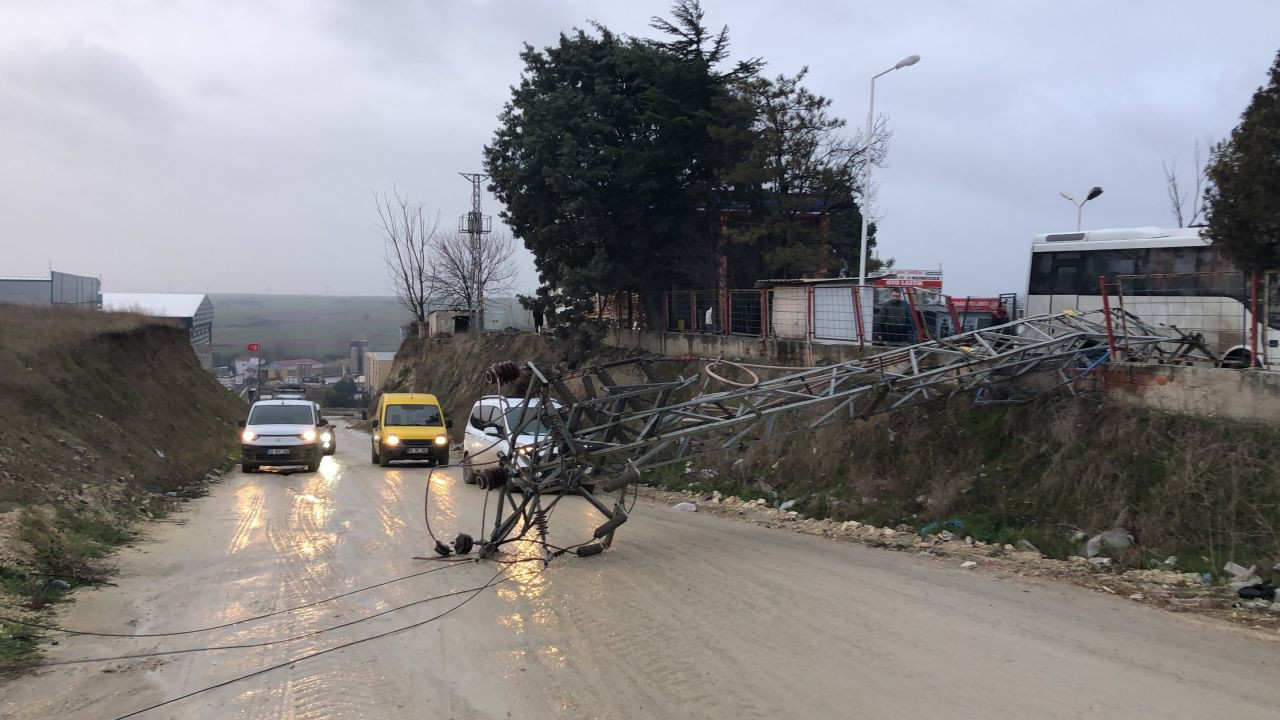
point(282, 432)
point(493, 419)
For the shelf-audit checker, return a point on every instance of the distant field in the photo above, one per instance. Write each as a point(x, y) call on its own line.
point(293, 326)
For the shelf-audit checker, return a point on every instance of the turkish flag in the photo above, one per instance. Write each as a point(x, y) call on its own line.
point(253, 347)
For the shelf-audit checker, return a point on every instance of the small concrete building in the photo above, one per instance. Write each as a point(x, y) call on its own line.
point(193, 311)
point(57, 289)
point(377, 367)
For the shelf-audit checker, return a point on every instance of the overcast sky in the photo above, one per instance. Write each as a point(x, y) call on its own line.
point(235, 145)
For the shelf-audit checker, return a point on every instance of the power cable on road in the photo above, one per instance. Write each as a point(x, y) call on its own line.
point(318, 653)
point(54, 628)
point(282, 641)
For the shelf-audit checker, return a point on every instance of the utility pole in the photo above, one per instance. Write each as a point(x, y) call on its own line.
point(476, 224)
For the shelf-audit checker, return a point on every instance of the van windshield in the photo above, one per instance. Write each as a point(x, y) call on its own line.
point(412, 415)
point(281, 415)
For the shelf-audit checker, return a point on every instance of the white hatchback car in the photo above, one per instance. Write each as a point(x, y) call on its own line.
point(493, 419)
point(282, 432)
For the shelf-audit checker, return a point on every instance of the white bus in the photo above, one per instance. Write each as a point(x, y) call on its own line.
point(1174, 278)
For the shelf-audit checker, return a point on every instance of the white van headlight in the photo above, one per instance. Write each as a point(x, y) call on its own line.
point(248, 436)
point(308, 435)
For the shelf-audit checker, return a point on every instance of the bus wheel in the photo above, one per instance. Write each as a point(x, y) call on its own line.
point(1237, 359)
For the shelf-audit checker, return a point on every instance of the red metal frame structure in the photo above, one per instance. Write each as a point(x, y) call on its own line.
point(857, 313)
point(764, 313)
point(955, 316)
point(1253, 320)
point(922, 332)
point(725, 320)
point(1106, 309)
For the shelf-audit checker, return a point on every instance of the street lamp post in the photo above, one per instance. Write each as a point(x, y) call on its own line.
point(1095, 192)
point(866, 178)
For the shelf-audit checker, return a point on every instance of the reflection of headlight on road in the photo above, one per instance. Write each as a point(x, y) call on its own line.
point(308, 435)
point(391, 440)
point(442, 439)
point(248, 436)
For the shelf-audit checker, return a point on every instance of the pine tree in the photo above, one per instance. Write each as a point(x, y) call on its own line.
point(1243, 198)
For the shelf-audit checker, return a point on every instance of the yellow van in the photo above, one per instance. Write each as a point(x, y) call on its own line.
point(410, 426)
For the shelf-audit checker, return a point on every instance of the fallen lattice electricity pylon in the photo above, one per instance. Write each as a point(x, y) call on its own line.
point(597, 439)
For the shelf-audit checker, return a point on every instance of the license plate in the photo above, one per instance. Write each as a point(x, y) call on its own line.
point(278, 451)
point(418, 451)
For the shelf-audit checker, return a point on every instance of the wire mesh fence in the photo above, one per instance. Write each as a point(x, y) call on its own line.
point(827, 313)
point(1218, 308)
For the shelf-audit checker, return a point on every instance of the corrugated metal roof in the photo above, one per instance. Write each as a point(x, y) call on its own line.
point(174, 305)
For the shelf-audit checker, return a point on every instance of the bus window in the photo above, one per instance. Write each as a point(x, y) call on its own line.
point(1040, 282)
point(1066, 274)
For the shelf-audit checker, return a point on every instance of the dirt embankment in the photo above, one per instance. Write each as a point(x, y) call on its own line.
point(108, 419)
point(453, 368)
point(1049, 472)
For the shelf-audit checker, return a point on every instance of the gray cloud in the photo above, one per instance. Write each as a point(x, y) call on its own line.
point(236, 146)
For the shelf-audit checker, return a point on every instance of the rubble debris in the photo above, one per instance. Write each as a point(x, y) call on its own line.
point(1241, 576)
point(967, 564)
point(1117, 539)
point(946, 536)
point(1258, 591)
point(1026, 545)
point(787, 505)
point(1100, 561)
point(686, 506)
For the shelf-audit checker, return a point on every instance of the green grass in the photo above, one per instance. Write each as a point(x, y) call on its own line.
point(19, 647)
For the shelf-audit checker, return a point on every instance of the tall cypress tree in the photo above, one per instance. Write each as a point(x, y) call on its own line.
point(1243, 198)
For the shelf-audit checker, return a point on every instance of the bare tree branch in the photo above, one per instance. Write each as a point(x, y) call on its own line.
point(407, 238)
point(466, 269)
point(1187, 207)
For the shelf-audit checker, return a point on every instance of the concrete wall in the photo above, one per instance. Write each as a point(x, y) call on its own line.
point(1250, 395)
point(781, 351)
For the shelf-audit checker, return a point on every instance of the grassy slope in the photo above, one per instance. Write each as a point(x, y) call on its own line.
point(105, 413)
point(316, 326)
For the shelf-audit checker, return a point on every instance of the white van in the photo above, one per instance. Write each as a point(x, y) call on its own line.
point(492, 422)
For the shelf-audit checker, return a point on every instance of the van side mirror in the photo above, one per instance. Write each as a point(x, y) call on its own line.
point(375, 424)
point(364, 414)
point(491, 431)
point(448, 423)
point(241, 423)
point(321, 422)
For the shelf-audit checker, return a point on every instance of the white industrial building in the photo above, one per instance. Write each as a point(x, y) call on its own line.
point(62, 289)
point(193, 311)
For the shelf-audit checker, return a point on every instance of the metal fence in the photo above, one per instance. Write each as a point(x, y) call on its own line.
point(840, 314)
point(1223, 310)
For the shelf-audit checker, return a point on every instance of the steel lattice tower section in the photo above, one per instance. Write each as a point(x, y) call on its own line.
point(476, 224)
point(605, 433)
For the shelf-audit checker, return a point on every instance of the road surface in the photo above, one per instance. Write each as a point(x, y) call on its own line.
point(688, 616)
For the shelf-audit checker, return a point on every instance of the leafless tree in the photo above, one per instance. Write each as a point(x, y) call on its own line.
point(1187, 207)
point(408, 238)
point(467, 268)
